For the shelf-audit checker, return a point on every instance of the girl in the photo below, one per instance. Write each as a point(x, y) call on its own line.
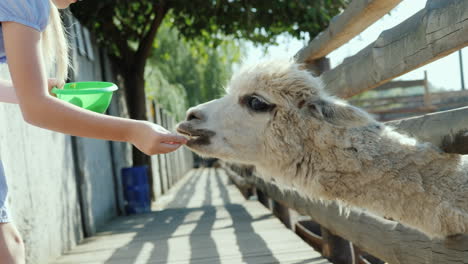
point(31, 36)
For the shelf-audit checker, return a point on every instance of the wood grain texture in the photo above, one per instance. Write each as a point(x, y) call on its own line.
point(385, 239)
point(355, 18)
point(437, 128)
point(400, 84)
point(434, 32)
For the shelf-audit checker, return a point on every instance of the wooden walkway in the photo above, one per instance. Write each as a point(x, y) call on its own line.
point(203, 220)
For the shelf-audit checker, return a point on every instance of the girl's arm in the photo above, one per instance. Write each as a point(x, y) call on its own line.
point(7, 92)
point(22, 47)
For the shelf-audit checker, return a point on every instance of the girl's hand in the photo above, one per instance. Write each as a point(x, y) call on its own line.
point(154, 139)
point(54, 83)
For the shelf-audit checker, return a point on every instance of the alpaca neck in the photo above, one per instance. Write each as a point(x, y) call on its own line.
point(382, 171)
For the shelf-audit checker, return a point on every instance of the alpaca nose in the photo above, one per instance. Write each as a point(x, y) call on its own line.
point(194, 114)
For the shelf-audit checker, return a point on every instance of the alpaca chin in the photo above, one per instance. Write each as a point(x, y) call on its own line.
point(201, 150)
point(205, 150)
point(211, 151)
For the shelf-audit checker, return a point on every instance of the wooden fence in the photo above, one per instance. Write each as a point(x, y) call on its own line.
point(390, 108)
point(355, 236)
point(385, 108)
point(169, 168)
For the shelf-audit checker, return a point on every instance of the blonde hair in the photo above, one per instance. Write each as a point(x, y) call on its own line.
point(55, 45)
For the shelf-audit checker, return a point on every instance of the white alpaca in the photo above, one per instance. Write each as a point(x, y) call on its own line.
point(277, 117)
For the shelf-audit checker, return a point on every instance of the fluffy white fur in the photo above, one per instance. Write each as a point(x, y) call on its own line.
point(327, 149)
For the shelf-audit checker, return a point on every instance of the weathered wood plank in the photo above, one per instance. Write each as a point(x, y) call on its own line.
point(387, 240)
point(408, 100)
point(434, 32)
point(400, 84)
point(355, 18)
point(438, 128)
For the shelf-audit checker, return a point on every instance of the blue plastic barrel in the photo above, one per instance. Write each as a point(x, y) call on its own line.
point(136, 190)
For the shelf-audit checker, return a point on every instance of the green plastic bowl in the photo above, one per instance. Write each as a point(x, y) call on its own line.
point(94, 96)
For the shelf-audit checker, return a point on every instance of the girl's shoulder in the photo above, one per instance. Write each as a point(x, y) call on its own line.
point(31, 13)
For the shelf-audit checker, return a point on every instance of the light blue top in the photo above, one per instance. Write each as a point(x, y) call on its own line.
point(34, 14)
point(31, 13)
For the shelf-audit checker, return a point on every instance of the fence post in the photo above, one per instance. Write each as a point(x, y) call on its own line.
point(149, 160)
point(282, 212)
point(427, 93)
point(162, 159)
point(338, 250)
point(180, 153)
point(264, 199)
point(175, 154)
point(155, 162)
point(179, 159)
point(170, 171)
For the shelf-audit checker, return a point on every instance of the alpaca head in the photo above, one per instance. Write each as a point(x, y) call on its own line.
point(269, 109)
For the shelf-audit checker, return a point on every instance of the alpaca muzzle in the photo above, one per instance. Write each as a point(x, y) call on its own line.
point(195, 136)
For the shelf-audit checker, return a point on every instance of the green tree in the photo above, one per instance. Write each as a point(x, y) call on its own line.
point(128, 29)
point(201, 68)
point(172, 97)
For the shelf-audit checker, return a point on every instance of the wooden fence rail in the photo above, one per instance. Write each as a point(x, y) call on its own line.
point(400, 84)
point(434, 32)
point(385, 239)
point(373, 105)
point(356, 18)
point(167, 169)
point(447, 129)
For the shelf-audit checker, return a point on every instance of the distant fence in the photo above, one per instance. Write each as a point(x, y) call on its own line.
point(167, 169)
point(434, 32)
point(385, 108)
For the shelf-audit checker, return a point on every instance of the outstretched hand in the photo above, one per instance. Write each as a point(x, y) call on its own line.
point(153, 139)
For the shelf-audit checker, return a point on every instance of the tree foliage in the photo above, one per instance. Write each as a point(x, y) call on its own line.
point(183, 73)
point(123, 24)
point(171, 96)
point(257, 20)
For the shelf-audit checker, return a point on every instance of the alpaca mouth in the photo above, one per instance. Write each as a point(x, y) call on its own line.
point(195, 136)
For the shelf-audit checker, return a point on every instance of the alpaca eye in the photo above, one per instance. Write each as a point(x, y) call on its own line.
point(257, 104)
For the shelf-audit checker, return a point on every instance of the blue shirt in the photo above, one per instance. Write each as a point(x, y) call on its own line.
point(31, 13)
point(34, 14)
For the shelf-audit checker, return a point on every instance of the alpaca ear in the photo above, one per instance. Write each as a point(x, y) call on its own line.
point(339, 113)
